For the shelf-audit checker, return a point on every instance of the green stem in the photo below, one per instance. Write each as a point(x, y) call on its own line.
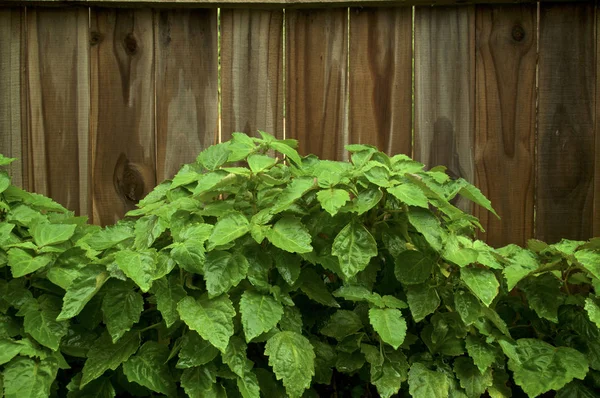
point(150, 327)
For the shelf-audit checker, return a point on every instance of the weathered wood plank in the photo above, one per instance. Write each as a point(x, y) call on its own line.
point(505, 119)
point(381, 78)
point(316, 67)
point(12, 123)
point(251, 72)
point(566, 157)
point(122, 111)
point(186, 86)
point(596, 212)
point(58, 105)
point(445, 90)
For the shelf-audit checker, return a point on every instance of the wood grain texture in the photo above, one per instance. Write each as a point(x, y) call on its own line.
point(251, 72)
point(58, 105)
point(122, 110)
point(445, 90)
point(596, 212)
point(381, 78)
point(566, 156)
point(505, 120)
point(12, 103)
point(316, 67)
point(186, 86)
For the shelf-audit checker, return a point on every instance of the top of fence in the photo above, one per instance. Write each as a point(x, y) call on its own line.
point(262, 3)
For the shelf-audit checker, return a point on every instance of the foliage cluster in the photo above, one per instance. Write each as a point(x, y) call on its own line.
point(293, 276)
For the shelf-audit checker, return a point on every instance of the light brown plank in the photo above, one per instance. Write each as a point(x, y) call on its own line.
point(251, 72)
point(186, 86)
point(12, 123)
point(316, 64)
point(596, 212)
point(122, 110)
point(445, 90)
point(381, 78)
point(505, 119)
point(565, 183)
point(58, 105)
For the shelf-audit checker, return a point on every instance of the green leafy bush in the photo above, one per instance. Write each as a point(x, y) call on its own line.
point(294, 277)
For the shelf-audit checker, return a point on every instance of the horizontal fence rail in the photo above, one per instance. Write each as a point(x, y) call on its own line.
point(101, 103)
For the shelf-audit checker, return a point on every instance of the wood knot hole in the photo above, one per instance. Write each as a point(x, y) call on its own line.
point(95, 38)
point(518, 33)
point(131, 45)
point(128, 180)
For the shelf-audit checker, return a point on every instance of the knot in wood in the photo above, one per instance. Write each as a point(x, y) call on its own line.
point(518, 33)
point(96, 38)
point(131, 45)
point(128, 180)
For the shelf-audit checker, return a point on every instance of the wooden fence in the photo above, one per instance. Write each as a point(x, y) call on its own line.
point(100, 102)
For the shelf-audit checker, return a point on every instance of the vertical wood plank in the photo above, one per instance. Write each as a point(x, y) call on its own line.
point(122, 110)
point(445, 90)
point(58, 105)
point(186, 86)
point(596, 211)
point(251, 71)
point(12, 123)
point(381, 78)
point(316, 67)
point(565, 182)
point(505, 119)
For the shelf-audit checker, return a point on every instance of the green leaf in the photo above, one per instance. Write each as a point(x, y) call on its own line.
point(410, 194)
point(349, 362)
point(294, 191)
point(147, 230)
point(367, 199)
point(293, 360)
point(341, 324)
point(240, 146)
point(389, 325)
point(543, 295)
point(467, 306)
point(224, 270)
point(288, 151)
point(413, 267)
point(500, 389)
point(291, 235)
point(235, 357)
point(576, 389)
point(359, 293)
point(139, 265)
point(81, 291)
point(248, 385)
point(104, 355)
point(211, 318)
point(482, 282)
point(539, 367)
point(483, 354)
point(260, 313)
point(108, 237)
point(4, 181)
point(288, 265)
point(214, 156)
point(189, 255)
point(521, 263)
point(50, 234)
point(474, 382)
point(313, 286)
point(593, 311)
point(4, 161)
point(201, 382)
point(590, 260)
point(209, 181)
point(474, 194)
point(422, 301)
point(332, 199)
point(29, 378)
point(148, 368)
point(259, 163)
point(122, 307)
point(429, 226)
point(195, 351)
point(424, 383)
point(168, 293)
point(99, 388)
point(389, 377)
point(22, 263)
point(291, 320)
point(40, 321)
point(228, 229)
point(354, 247)
point(8, 350)
point(458, 249)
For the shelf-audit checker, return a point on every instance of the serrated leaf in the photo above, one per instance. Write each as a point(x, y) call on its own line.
point(22, 263)
point(288, 265)
point(223, 270)
point(147, 229)
point(235, 357)
point(168, 293)
point(189, 255)
point(50, 234)
point(354, 246)
point(260, 313)
point(500, 389)
point(429, 226)
point(29, 378)
point(122, 307)
point(422, 301)
point(211, 318)
point(148, 368)
point(108, 237)
point(543, 295)
point(521, 263)
point(199, 382)
point(576, 389)
point(214, 156)
point(81, 291)
point(195, 351)
point(293, 360)
point(482, 282)
point(424, 383)
point(228, 229)
point(349, 362)
point(474, 195)
point(294, 191)
point(359, 293)
point(259, 163)
point(393, 302)
point(389, 325)
point(590, 260)
point(104, 355)
point(410, 194)
point(332, 199)
point(389, 377)
point(593, 311)
point(313, 286)
point(139, 265)
point(4, 161)
point(341, 324)
point(413, 267)
point(8, 350)
point(482, 353)
point(248, 385)
point(287, 150)
point(458, 249)
point(291, 235)
point(99, 388)
point(40, 322)
point(367, 199)
point(474, 382)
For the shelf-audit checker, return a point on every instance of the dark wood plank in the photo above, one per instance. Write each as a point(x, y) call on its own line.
point(445, 90)
point(186, 86)
point(566, 155)
point(596, 212)
point(13, 120)
point(316, 67)
point(505, 119)
point(122, 110)
point(381, 78)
